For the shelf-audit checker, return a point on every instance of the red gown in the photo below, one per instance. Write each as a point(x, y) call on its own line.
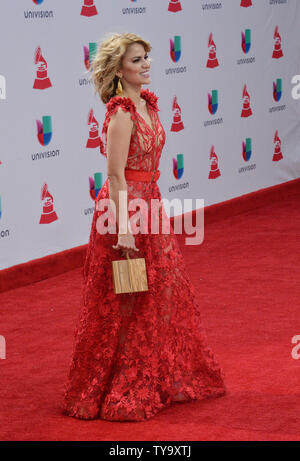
point(135, 354)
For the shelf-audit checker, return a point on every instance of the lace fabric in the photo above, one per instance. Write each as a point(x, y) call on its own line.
point(136, 353)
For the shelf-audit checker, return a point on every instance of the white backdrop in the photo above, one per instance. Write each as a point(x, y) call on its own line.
point(43, 89)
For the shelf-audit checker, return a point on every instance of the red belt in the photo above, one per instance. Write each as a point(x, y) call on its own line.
point(140, 175)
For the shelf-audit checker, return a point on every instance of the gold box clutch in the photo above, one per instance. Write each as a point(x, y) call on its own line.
point(129, 275)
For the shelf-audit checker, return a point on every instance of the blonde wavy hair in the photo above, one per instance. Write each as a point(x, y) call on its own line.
point(108, 60)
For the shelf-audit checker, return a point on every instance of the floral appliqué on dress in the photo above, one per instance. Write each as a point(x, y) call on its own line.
point(134, 354)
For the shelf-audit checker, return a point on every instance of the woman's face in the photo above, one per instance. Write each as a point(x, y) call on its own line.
point(135, 66)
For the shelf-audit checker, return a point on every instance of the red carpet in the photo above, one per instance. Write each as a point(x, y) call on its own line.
point(248, 280)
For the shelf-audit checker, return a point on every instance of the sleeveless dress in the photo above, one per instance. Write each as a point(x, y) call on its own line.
point(136, 353)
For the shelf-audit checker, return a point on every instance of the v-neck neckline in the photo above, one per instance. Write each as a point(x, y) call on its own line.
point(147, 125)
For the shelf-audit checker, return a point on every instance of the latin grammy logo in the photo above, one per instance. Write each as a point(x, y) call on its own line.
point(174, 6)
point(246, 111)
point(277, 149)
point(94, 138)
point(277, 51)
point(246, 3)
point(88, 8)
point(177, 124)
point(212, 56)
point(214, 168)
point(42, 80)
point(48, 214)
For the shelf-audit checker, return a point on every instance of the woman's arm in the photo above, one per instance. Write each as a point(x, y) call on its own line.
point(118, 141)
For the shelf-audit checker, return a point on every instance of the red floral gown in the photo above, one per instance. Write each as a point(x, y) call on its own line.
point(136, 353)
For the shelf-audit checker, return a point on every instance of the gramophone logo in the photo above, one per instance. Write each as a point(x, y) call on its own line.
point(277, 51)
point(212, 61)
point(246, 41)
point(48, 214)
point(246, 3)
point(88, 8)
point(95, 185)
point(177, 124)
point(214, 167)
point(246, 110)
point(277, 89)
point(89, 54)
point(247, 149)
point(38, 2)
point(42, 80)
point(277, 148)
point(44, 130)
point(174, 6)
point(2, 87)
point(213, 102)
point(178, 166)
point(94, 138)
point(175, 48)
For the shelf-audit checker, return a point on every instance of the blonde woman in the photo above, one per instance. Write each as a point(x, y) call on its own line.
point(135, 353)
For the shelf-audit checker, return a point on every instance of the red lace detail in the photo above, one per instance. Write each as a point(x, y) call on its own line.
point(144, 141)
point(135, 354)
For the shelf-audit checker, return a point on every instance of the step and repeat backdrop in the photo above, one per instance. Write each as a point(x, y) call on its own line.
point(226, 74)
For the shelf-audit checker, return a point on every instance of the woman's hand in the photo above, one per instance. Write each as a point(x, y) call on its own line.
point(126, 242)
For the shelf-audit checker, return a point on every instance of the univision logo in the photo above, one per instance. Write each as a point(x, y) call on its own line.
point(95, 184)
point(175, 54)
point(246, 41)
point(134, 10)
point(178, 166)
point(213, 102)
point(89, 54)
point(44, 130)
point(175, 48)
point(44, 135)
point(247, 149)
point(277, 94)
point(277, 89)
point(213, 105)
point(247, 153)
point(38, 13)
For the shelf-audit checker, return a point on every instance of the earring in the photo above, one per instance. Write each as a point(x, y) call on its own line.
point(119, 89)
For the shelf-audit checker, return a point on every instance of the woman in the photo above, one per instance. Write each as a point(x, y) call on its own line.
point(135, 353)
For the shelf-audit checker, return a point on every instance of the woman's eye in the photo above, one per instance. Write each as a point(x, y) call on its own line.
point(137, 60)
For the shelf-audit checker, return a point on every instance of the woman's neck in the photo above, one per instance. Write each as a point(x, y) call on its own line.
point(135, 96)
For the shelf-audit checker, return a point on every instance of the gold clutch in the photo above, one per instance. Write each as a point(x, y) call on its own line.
point(129, 275)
